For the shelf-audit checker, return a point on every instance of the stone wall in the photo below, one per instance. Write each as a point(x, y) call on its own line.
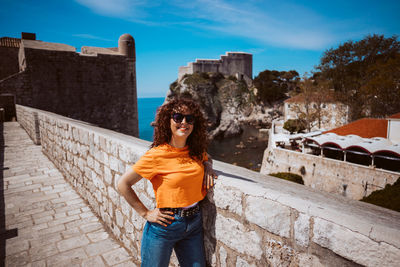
point(96, 88)
point(9, 61)
point(249, 219)
point(348, 179)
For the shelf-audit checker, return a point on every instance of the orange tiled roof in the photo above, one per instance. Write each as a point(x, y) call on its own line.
point(366, 128)
point(395, 116)
point(10, 42)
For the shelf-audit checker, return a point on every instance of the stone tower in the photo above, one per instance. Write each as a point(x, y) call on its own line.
point(97, 85)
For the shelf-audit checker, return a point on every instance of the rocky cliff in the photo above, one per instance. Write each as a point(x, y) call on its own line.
point(228, 103)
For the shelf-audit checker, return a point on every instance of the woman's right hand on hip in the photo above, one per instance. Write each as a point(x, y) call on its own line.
point(160, 217)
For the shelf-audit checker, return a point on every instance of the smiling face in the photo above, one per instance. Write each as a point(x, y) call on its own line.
point(181, 129)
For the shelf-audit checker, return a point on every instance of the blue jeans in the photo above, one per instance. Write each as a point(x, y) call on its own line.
point(184, 235)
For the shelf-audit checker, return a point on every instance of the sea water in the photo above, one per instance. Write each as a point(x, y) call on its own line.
point(147, 108)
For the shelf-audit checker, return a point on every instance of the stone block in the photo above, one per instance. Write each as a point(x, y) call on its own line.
point(116, 231)
point(114, 163)
point(354, 246)
point(108, 178)
point(101, 247)
point(98, 167)
point(106, 161)
point(138, 221)
point(81, 164)
point(116, 179)
point(279, 254)
point(243, 263)
point(91, 227)
point(302, 229)
point(237, 237)
point(128, 227)
point(83, 137)
point(122, 167)
point(102, 143)
point(74, 242)
point(148, 202)
point(268, 214)
point(110, 208)
point(228, 198)
point(113, 195)
point(222, 256)
point(84, 150)
point(98, 182)
point(98, 236)
point(125, 154)
point(116, 256)
point(305, 259)
point(75, 133)
point(125, 207)
point(140, 185)
point(13, 247)
point(90, 162)
point(119, 218)
point(96, 261)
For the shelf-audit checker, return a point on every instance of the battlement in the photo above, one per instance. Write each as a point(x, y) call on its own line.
point(232, 63)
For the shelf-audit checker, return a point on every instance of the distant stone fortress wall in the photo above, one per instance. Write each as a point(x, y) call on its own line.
point(97, 85)
point(232, 63)
point(249, 219)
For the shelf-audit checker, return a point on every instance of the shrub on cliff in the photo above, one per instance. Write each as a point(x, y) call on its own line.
point(289, 177)
point(389, 197)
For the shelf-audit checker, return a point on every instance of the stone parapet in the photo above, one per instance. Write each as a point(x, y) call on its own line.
point(250, 219)
point(28, 119)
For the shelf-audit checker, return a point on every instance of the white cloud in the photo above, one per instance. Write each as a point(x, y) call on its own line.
point(90, 36)
point(286, 25)
point(261, 23)
point(118, 8)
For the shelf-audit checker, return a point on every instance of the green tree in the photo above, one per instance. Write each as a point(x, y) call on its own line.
point(353, 68)
point(295, 125)
point(273, 85)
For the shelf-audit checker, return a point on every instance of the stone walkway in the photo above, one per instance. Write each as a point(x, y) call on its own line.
point(53, 225)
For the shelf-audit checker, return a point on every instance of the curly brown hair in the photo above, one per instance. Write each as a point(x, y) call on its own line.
point(197, 140)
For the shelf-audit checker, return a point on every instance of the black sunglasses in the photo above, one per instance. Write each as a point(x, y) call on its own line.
point(178, 118)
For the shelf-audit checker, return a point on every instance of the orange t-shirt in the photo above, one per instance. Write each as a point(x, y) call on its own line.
point(177, 179)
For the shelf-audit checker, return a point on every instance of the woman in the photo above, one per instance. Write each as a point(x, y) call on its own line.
point(181, 173)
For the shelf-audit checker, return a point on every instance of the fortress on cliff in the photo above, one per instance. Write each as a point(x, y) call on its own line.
point(97, 85)
point(236, 64)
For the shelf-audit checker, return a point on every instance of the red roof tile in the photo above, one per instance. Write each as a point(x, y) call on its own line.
point(395, 116)
point(366, 128)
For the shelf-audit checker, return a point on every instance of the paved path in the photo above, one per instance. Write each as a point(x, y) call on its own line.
point(55, 226)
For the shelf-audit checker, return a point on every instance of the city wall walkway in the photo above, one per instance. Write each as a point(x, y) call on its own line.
point(44, 222)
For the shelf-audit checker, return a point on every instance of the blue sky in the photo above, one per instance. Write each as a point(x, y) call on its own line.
point(282, 35)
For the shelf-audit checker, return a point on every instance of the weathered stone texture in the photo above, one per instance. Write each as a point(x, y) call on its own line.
point(354, 246)
point(269, 215)
point(302, 229)
point(233, 234)
point(261, 222)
